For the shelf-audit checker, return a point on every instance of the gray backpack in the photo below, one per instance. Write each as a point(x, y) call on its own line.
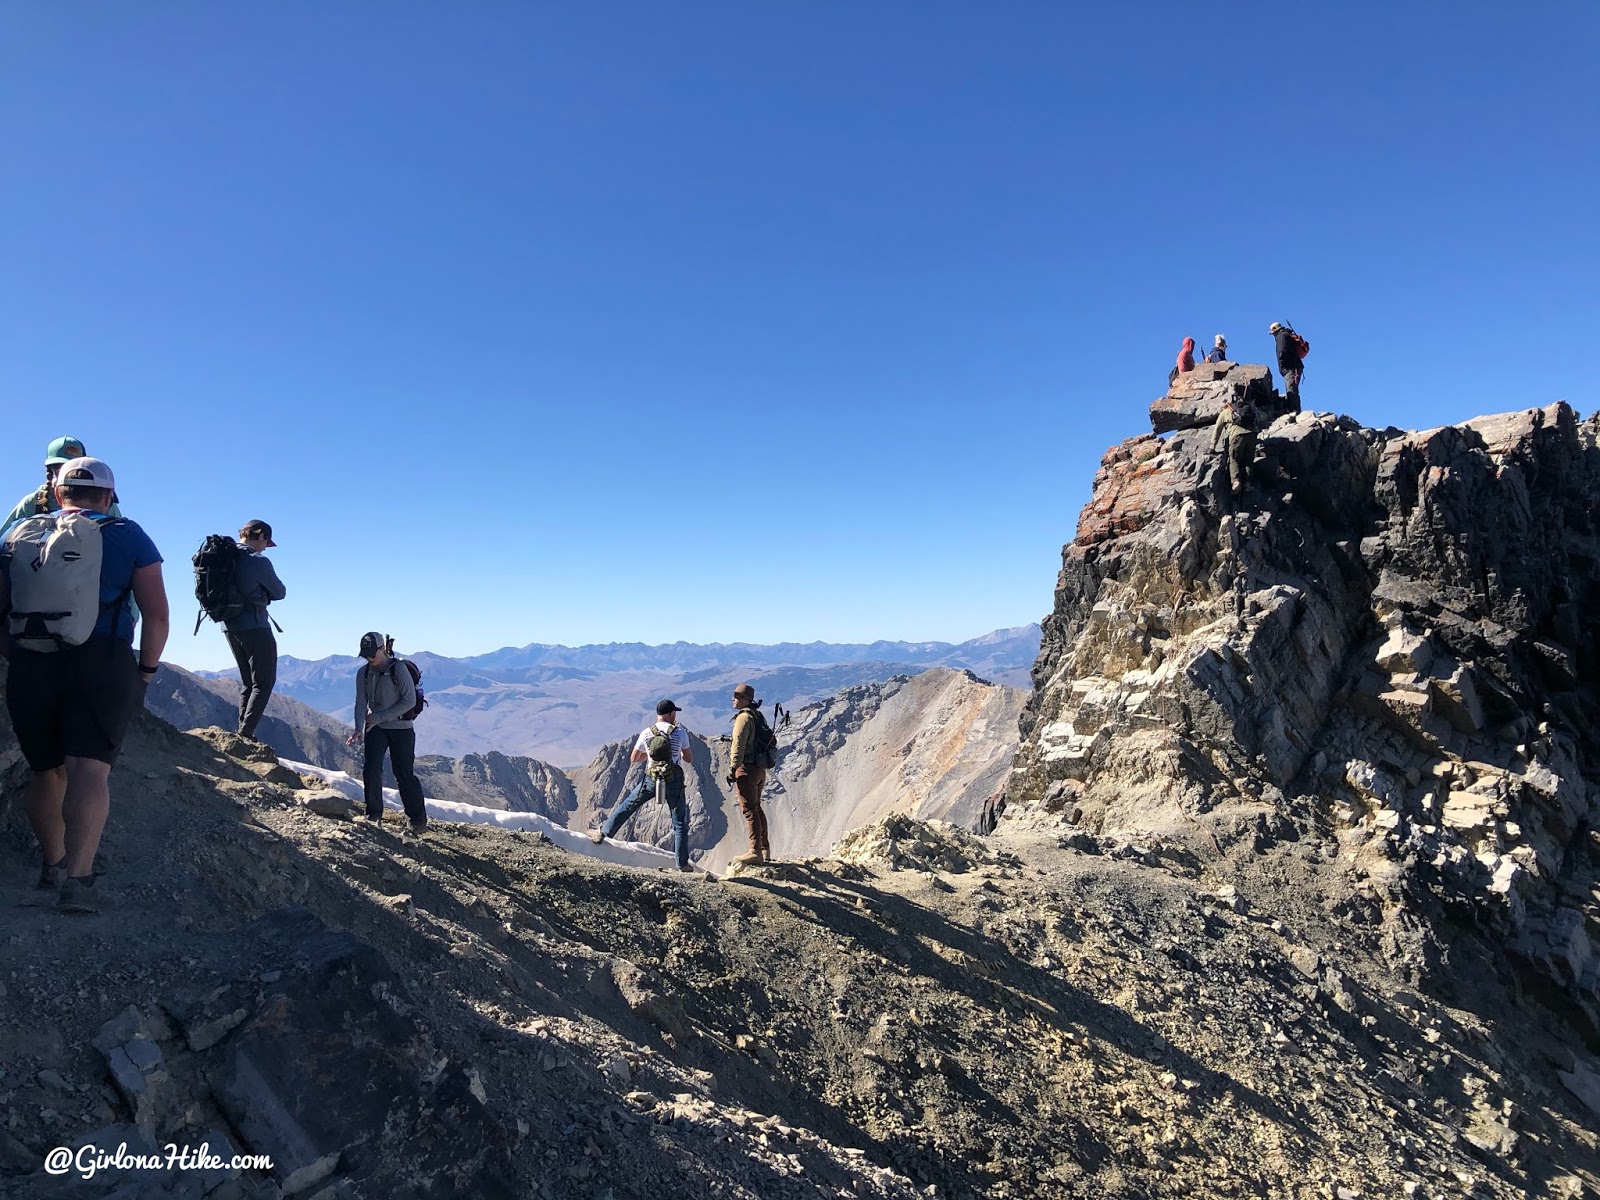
point(54, 579)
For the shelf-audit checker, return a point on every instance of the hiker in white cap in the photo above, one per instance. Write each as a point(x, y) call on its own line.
point(73, 683)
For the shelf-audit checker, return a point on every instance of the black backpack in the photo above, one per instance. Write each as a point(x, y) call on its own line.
point(765, 753)
point(415, 711)
point(216, 566)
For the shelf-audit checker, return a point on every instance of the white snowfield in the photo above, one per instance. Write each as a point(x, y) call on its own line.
point(631, 854)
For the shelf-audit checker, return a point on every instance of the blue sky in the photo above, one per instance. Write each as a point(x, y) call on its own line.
point(574, 322)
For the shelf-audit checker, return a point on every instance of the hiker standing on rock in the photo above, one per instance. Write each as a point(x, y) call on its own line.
point(753, 751)
point(1291, 350)
point(74, 683)
point(386, 704)
point(664, 748)
point(248, 632)
point(1235, 433)
point(1219, 350)
point(43, 499)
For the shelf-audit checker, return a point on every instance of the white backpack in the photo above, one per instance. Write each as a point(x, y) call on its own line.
point(55, 580)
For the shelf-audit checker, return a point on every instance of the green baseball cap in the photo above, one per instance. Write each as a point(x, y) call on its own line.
point(63, 450)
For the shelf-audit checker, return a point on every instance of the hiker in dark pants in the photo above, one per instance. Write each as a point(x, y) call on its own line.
point(1290, 364)
point(249, 633)
point(748, 773)
point(664, 748)
point(385, 697)
point(1235, 434)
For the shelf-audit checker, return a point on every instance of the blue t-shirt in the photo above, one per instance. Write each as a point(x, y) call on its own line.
point(124, 548)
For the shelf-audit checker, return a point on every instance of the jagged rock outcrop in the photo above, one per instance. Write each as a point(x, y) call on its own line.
point(1389, 641)
point(495, 780)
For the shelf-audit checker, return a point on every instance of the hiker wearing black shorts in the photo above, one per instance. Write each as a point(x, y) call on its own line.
point(73, 682)
point(386, 697)
point(663, 748)
point(249, 632)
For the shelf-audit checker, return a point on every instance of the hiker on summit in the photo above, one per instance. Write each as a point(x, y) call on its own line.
point(74, 683)
point(1291, 350)
point(1185, 362)
point(1219, 350)
point(42, 499)
point(1235, 434)
point(752, 753)
point(248, 632)
point(663, 747)
point(386, 704)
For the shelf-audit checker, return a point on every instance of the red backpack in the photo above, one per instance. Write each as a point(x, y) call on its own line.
point(1301, 346)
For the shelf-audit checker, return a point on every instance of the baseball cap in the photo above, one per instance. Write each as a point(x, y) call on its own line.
point(85, 472)
point(63, 449)
point(666, 706)
point(371, 643)
point(744, 689)
point(258, 529)
point(1274, 327)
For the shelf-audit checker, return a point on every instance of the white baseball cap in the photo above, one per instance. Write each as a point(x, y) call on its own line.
point(86, 472)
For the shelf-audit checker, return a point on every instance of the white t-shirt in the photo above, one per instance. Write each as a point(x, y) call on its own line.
point(680, 740)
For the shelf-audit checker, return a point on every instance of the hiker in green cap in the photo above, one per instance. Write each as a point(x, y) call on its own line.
point(43, 498)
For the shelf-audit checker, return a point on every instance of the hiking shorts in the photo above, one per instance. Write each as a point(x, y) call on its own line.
point(75, 703)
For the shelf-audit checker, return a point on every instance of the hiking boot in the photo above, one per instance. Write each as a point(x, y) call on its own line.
point(749, 858)
point(417, 828)
point(366, 818)
point(596, 836)
point(77, 895)
point(50, 875)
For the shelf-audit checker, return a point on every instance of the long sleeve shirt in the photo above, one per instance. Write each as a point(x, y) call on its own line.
point(259, 584)
point(385, 694)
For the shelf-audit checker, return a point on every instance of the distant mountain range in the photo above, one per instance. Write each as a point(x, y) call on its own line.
point(561, 704)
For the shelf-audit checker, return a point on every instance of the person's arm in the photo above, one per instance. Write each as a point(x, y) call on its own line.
point(401, 674)
point(150, 594)
point(21, 512)
point(688, 751)
point(267, 581)
point(744, 733)
point(361, 702)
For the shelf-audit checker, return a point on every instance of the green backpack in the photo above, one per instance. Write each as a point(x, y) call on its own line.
point(658, 751)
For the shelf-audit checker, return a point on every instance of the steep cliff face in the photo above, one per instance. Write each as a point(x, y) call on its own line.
point(496, 780)
point(1387, 645)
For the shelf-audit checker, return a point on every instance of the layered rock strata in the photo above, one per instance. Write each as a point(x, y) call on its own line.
point(1387, 643)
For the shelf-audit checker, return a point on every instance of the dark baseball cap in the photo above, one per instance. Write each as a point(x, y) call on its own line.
point(666, 706)
point(259, 529)
point(371, 643)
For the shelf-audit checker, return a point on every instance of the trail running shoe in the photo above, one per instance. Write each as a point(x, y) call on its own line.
point(77, 895)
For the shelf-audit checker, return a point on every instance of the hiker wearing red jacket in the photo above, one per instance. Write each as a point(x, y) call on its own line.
point(1185, 362)
point(1291, 349)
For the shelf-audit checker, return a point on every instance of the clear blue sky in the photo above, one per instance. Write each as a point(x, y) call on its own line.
point(591, 321)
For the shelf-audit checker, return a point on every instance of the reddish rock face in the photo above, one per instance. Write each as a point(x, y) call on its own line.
point(1127, 489)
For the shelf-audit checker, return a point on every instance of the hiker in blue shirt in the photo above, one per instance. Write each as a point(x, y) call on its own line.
point(73, 682)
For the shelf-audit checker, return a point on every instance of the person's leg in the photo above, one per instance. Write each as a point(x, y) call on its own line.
point(629, 806)
point(760, 776)
point(42, 799)
point(377, 741)
point(83, 811)
point(263, 655)
point(748, 786)
point(241, 659)
point(403, 759)
point(678, 805)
